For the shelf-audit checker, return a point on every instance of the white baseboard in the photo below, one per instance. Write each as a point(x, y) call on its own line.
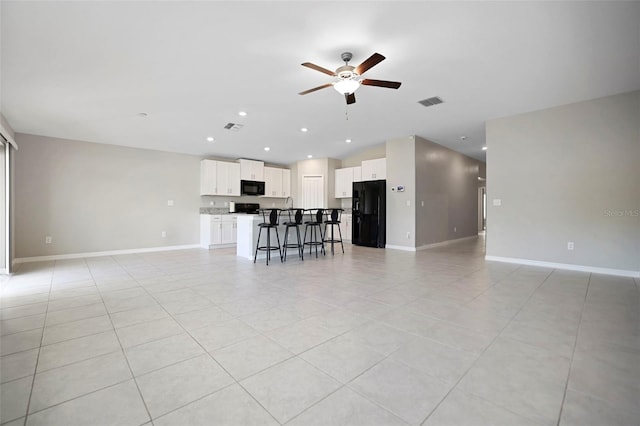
point(103, 253)
point(567, 266)
point(428, 246)
point(403, 248)
point(445, 243)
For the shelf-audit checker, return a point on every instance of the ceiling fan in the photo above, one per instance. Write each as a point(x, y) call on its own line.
point(348, 78)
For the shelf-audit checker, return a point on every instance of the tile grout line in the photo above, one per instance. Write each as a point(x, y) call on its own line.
point(35, 369)
point(473, 364)
point(573, 352)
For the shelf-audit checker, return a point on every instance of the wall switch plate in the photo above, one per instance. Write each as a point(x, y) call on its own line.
point(570, 245)
point(422, 203)
point(455, 229)
point(497, 202)
point(211, 203)
point(164, 234)
point(170, 203)
point(48, 239)
point(408, 203)
point(408, 235)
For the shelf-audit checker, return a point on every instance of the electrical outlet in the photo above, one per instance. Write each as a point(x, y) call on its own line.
point(497, 202)
point(408, 235)
point(408, 203)
point(570, 245)
point(164, 234)
point(48, 239)
point(455, 229)
point(422, 203)
point(170, 203)
point(211, 203)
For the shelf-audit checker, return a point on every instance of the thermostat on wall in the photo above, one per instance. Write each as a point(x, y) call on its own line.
point(399, 188)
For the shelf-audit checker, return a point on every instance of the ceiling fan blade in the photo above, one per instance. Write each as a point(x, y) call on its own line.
point(350, 97)
point(381, 83)
point(316, 88)
point(373, 60)
point(318, 68)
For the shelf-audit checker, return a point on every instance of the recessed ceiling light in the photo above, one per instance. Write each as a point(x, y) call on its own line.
point(348, 140)
point(309, 156)
point(266, 148)
point(242, 113)
point(484, 148)
point(142, 114)
point(463, 138)
point(304, 129)
point(210, 139)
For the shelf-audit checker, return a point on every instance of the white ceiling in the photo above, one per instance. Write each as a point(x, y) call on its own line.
point(84, 70)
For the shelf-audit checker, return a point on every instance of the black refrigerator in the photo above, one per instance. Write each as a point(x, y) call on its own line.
point(369, 213)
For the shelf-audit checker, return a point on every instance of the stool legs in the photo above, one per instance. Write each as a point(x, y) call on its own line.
point(298, 244)
point(268, 247)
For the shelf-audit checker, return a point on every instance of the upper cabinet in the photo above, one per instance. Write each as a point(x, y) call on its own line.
point(286, 183)
point(228, 175)
point(251, 170)
point(374, 169)
point(208, 178)
point(277, 182)
point(219, 178)
point(344, 181)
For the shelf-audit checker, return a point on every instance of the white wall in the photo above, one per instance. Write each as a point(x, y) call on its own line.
point(91, 197)
point(570, 173)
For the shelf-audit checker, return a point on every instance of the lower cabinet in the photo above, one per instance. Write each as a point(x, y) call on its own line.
point(218, 230)
point(346, 226)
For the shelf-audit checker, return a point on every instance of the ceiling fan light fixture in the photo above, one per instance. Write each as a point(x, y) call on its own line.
point(347, 86)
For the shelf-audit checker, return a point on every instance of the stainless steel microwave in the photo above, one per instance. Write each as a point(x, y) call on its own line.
point(251, 187)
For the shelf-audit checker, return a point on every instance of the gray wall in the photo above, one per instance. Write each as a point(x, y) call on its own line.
point(446, 194)
point(440, 201)
point(372, 153)
point(401, 218)
point(570, 173)
point(91, 197)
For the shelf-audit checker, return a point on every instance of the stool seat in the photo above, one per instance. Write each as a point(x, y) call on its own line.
point(270, 221)
point(315, 226)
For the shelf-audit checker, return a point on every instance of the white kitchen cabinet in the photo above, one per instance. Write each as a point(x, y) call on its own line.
point(219, 178)
point(344, 182)
point(217, 231)
point(251, 170)
point(346, 226)
point(228, 178)
point(208, 177)
point(286, 183)
point(277, 182)
point(357, 174)
point(374, 169)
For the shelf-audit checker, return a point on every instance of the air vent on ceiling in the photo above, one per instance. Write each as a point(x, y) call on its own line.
point(233, 126)
point(431, 101)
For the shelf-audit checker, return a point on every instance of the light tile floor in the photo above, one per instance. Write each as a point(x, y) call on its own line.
point(371, 337)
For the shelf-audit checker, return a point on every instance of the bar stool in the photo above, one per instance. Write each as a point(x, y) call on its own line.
point(333, 219)
point(269, 222)
point(315, 223)
point(294, 220)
